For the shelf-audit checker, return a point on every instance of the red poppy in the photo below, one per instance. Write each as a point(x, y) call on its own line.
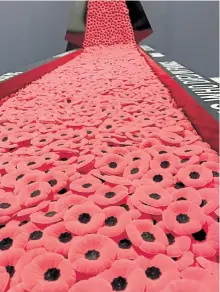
point(51, 214)
point(48, 272)
point(4, 278)
point(195, 175)
point(210, 200)
point(205, 240)
point(184, 285)
point(135, 169)
point(61, 238)
point(188, 151)
point(69, 170)
point(157, 177)
point(106, 195)
point(125, 275)
point(32, 162)
point(185, 161)
point(56, 179)
point(148, 143)
point(159, 271)
point(116, 219)
point(28, 178)
point(111, 164)
point(50, 157)
point(185, 260)
point(214, 167)
point(92, 253)
point(148, 237)
point(8, 205)
point(183, 217)
point(210, 157)
point(149, 199)
point(66, 159)
point(208, 265)
point(64, 134)
point(12, 237)
point(188, 193)
point(8, 260)
point(91, 285)
point(85, 184)
point(42, 140)
point(33, 194)
point(33, 209)
point(170, 139)
point(85, 163)
point(165, 161)
point(160, 149)
point(65, 202)
point(207, 280)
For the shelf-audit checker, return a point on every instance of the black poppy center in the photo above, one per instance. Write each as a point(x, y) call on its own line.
point(62, 191)
point(36, 235)
point(110, 195)
point(181, 199)
point(124, 243)
point(52, 182)
point(204, 202)
point(10, 270)
point(31, 163)
point(119, 284)
point(125, 206)
point(182, 218)
point(92, 255)
point(155, 196)
point(19, 177)
point(111, 221)
point(84, 218)
point(215, 174)
point(171, 238)
point(136, 158)
point(52, 274)
point(63, 159)
point(23, 222)
point(162, 152)
point(86, 186)
point(6, 243)
point(184, 160)
point(5, 139)
point(179, 185)
point(153, 273)
point(147, 236)
point(35, 193)
point(157, 178)
point(200, 235)
point(50, 214)
point(113, 165)
point(165, 164)
point(65, 237)
point(194, 175)
point(5, 205)
point(134, 170)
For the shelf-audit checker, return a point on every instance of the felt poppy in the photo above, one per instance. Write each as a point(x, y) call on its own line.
point(56, 179)
point(195, 175)
point(91, 285)
point(214, 167)
point(187, 193)
point(11, 237)
point(46, 272)
point(33, 162)
point(4, 278)
point(207, 280)
point(208, 265)
point(125, 275)
point(33, 194)
point(116, 219)
point(8, 205)
point(183, 217)
point(188, 150)
point(210, 200)
point(61, 238)
point(135, 169)
point(169, 138)
point(92, 253)
point(70, 200)
point(185, 161)
point(85, 163)
point(111, 164)
point(184, 285)
point(160, 149)
point(33, 209)
point(106, 195)
point(50, 214)
point(50, 157)
point(157, 177)
point(149, 238)
point(28, 178)
point(159, 271)
point(185, 260)
point(42, 140)
point(165, 161)
point(86, 184)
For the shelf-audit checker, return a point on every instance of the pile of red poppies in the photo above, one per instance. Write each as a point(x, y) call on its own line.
point(105, 185)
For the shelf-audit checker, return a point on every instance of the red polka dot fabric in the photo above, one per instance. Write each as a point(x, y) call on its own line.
point(104, 183)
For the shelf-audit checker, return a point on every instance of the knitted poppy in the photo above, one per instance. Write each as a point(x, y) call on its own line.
point(60, 237)
point(125, 275)
point(195, 175)
point(158, 177)
point(48, 272)
point(106, 195)
point(116, 219)
point(205, 241)
point(50, 214)
point(207, 280)
point(148, 237)
point(183, 217)
point(91, 285)
point(165, 161)
point(159, 271)
point(86, 184)
point(92, 253)
point(111, 164)
point(83, 219)
point(33, 194)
